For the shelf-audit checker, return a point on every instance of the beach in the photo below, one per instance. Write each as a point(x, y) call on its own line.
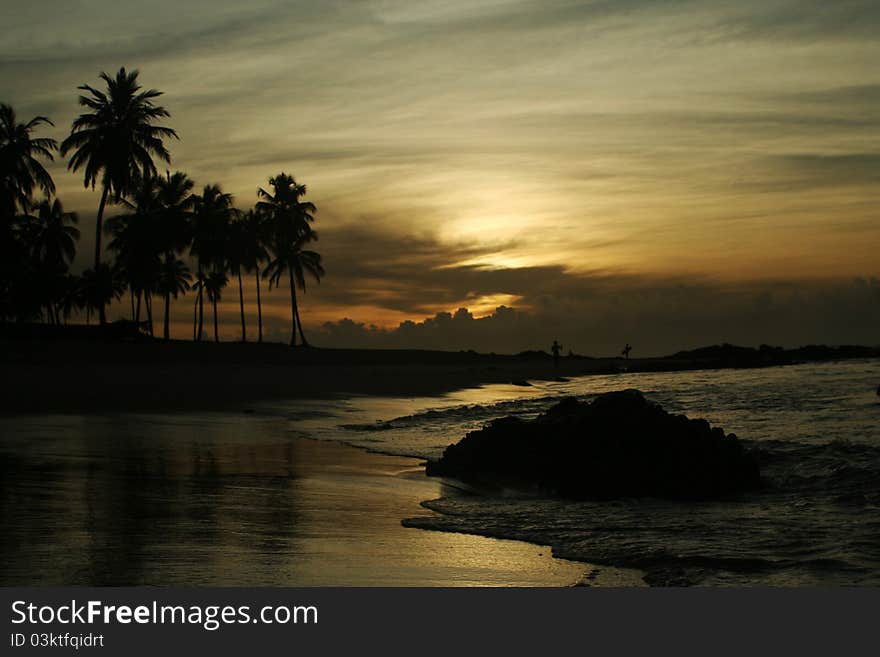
point(166, 464)
point(190, 500)
point(147, 375)
point(159, 466)
point(70, 375)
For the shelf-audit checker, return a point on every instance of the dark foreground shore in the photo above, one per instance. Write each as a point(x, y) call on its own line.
point(235, 504)
point(41, 375)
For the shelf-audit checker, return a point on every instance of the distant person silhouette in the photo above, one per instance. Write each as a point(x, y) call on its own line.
point(626, 350)
point(556, 348)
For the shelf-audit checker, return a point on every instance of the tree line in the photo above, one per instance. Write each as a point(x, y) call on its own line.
point(167, 240)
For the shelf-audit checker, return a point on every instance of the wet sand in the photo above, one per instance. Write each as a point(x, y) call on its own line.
point(217, 499)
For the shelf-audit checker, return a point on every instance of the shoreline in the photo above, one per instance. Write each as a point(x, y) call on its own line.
point(231, 420)
point(275, 511)
point(93, 376)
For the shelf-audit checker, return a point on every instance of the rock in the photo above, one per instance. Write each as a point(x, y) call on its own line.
point(618, 445)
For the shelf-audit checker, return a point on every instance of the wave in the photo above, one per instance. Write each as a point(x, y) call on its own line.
point(759, 540)
point(843, 467)
point(815, 430)
point(816, 522)
point(469, 413)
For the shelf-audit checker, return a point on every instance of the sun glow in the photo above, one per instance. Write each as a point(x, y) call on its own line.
point(485, 305)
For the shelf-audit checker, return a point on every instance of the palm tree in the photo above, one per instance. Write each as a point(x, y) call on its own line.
point(101, 286)
point(291, 218)
point(214, 284)
point(155, 229)
point(20, 170)
point(115, 141)
point(72, 297)
point(198, 287)
point(291, 257)
point(211, 214)
point(285, 207)
point(21, 286)
point(137, 242)
point(174, 279)
point(50, 237)
point(13, 260)
point(54, 237)
point(252, 239)
point(237, 255)
point(176, 201)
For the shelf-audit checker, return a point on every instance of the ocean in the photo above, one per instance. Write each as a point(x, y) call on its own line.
point(815, 428)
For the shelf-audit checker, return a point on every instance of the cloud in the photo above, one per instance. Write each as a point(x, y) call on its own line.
point(560, 157)
point(387, 290)
point(656, 319)
point(806, 20)
point(831, 169)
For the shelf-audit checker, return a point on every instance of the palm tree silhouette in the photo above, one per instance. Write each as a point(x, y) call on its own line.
point(291, 219)
point(174, 225)
point(214, 284)
point(253, 238)
point(174, 279)
point(71, 297)
point(20, 170)
point(101, 286)
point(297, 262)
point(51, 235)
point(212, 212)
point(198, 286)
point(54, 237)
point(115, 141)
point(22, 285)
point(137, 242)
point(235, 255)
point(176, 202)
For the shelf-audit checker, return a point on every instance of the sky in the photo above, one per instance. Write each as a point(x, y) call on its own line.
point(495, 175)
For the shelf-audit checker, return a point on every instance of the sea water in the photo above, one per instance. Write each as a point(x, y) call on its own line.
point(815, 429)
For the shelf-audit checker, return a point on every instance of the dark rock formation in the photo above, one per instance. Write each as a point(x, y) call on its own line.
point(618, 445)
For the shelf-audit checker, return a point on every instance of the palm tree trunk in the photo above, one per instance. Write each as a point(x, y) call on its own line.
point(167, 307)
point(137, 315)
point(195, 315)
point(98, 224)
point(302, 335)
point(201, 302)
point(292, 308)
point(241, 305)
point(216, 335)
point(259, 309)
point(131, 296)
point(148, 302)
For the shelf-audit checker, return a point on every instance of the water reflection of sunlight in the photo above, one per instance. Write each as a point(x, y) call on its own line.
point(223, 499)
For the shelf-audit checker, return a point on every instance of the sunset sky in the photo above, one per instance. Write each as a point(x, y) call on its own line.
point(670, 173)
